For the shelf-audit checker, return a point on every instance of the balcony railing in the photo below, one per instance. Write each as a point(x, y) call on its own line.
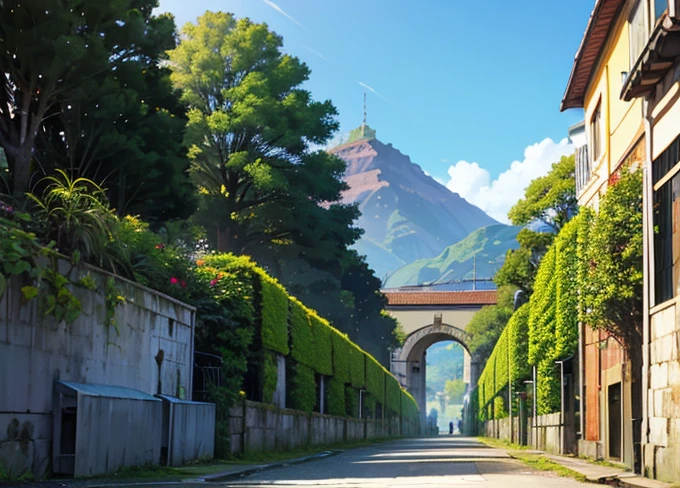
point(582, 168)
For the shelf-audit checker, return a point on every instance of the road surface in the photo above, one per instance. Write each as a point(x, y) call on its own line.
point(425, 462)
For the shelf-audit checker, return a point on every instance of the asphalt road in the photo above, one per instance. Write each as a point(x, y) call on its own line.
point(427, 462)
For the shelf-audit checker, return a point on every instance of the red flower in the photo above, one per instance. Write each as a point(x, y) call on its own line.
point(213, 282)
point(183, 284)
point(174, 280)
point(160, 246)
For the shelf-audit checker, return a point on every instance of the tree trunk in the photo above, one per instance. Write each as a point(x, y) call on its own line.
point(21, 171)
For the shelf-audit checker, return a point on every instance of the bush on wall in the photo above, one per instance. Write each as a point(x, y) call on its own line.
point(274, 310)
point(303, 391)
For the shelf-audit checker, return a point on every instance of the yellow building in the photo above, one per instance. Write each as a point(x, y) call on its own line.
point(626, 79)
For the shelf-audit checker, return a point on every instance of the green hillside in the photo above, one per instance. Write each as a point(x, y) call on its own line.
point(489, 245)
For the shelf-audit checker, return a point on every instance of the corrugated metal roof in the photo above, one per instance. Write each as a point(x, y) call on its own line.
point(478, 297)
point(172, 399)
point(107, 391)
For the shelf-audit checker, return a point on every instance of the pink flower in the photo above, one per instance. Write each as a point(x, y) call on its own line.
point(174, 280)
point(183, 284)
point(213, 282)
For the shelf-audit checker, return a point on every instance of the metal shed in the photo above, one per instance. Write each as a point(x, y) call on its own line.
point(102, 428)
point(188, 431)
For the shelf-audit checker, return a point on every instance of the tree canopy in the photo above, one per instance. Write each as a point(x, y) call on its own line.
point(549, 201)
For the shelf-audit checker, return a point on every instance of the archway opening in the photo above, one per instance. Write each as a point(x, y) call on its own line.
point(445, 385)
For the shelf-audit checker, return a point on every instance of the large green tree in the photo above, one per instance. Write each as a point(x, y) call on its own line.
point(51, 48)
point(251, 131)
point(124, 127)
point(549, 201)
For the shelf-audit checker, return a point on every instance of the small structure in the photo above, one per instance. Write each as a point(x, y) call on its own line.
point(102, 428)
point(188, 431)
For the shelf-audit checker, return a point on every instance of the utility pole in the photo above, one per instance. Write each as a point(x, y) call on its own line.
point(474, 272)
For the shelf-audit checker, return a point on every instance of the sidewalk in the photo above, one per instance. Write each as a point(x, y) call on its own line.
point(597, 473)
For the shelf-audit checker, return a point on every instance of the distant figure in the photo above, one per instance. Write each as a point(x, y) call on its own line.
point(450, 427)
point(460, 426)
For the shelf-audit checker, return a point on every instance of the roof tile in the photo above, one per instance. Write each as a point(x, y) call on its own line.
point(482, 297)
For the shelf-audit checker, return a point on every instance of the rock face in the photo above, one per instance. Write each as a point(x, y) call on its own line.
point(406, 214)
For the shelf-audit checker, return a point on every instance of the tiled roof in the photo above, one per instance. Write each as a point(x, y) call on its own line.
point(599, 26)
point(482, 297)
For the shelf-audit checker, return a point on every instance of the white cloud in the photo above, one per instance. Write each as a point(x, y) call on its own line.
point(282, 12)
point(496, 197)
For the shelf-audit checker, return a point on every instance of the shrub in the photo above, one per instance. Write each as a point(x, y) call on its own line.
point(323, 348)
point(274, 314)
point(302, 340)
point(270, 376)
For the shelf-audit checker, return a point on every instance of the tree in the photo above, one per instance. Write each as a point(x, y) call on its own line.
point(50, 49)
point(250, 133)
point(455, 390)
point(124, 128)
point(549, 201)
point(487, 325)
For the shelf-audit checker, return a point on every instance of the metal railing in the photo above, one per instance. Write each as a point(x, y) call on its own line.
point(583, 168)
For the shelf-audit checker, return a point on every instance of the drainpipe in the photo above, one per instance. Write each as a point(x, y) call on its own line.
point(581, 380)
point(648, 269)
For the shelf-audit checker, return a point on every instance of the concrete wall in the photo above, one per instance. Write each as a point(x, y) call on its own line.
point(112, 433)
point(36, 351)
point(191, 432)
point(545, 436)
point(256, 427)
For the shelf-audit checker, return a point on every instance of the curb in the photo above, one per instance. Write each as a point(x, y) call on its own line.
point(214, 478)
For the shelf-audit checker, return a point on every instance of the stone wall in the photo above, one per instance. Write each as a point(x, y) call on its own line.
point(34, 351)
point(545, 435)
point(662, 450)
point(256, 427)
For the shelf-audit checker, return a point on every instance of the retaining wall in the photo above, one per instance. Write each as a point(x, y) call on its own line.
point(34, 351)
point(256, 427)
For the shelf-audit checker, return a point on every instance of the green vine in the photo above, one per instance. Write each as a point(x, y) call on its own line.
point(113, 298)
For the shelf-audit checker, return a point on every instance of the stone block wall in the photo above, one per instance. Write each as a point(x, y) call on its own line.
point(661, 451)
point(34, 351)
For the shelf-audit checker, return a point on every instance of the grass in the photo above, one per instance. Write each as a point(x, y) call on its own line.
point(536, 461)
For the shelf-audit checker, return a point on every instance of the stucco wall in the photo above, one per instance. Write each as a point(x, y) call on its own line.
point(36, 351)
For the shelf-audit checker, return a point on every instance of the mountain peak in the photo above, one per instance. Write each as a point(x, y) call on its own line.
point(406, 214)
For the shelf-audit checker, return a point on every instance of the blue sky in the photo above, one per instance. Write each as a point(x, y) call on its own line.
point(469, 89)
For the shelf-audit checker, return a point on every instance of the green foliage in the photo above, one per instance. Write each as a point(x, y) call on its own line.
point(336, 397)
point(551, 200)
point(455, 390)
point(274, 311)
point(303, 394)
point(486, 326)
point(74, 213)
point(341, 359)
point(357, 366)
point(392, 394)
point(375, 379)
point(302, 339)
point(270, 373)
point(323, 348)
point(612, 291)
point(352, 402)
point(499, 409)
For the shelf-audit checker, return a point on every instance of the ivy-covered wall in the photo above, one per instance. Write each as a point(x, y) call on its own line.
point(539, 333)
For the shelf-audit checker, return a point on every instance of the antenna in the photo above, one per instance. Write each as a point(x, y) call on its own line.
point(364, 107)
point(474, 272)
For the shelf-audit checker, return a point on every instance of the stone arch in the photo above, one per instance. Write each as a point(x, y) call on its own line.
point(410, 366)
point(420, 340)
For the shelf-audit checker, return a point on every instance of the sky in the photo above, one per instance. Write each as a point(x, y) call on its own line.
point(470, 90)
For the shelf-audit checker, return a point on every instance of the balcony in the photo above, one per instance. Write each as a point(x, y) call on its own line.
point(582, 168)
point(658, 56)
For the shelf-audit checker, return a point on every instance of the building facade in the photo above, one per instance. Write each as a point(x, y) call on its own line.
point(626, 78)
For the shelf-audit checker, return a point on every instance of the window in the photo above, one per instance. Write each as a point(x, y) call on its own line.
point(637, 32)
point(596, 133)
point(666, 224)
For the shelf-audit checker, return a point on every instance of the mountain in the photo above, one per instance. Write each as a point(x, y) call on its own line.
point(487, 245)
point(406, 214)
